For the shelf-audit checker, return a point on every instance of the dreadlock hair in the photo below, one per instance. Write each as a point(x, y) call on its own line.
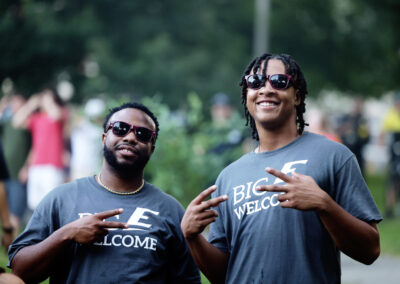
point(135, 105)
point(299, 83)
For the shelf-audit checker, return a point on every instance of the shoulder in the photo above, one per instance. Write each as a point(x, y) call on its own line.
point(67, 191)
point(240, 164)
point(319, 142)
point(160, 196)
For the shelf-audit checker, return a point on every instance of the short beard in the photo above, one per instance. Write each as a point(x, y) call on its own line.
point(125, 169)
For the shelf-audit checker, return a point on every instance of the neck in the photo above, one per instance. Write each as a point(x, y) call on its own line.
point(113, 180)
point(274, 139)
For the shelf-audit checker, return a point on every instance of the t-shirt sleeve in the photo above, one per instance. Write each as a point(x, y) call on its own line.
point(36, 231)
point(353, 193)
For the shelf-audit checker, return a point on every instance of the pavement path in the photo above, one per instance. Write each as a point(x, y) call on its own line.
point(386, 269)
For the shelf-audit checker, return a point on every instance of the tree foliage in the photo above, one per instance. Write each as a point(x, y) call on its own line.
point(174, 47)
point(184, 162)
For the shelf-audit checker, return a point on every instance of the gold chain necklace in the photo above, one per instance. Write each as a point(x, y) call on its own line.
point(119, 192)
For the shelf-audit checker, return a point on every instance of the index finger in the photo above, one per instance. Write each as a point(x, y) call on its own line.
point(213, 202)
point(109, 213)
point(204, 194)
point(286, 178)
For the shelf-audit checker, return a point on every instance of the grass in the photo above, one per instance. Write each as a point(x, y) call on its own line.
point(389, 229)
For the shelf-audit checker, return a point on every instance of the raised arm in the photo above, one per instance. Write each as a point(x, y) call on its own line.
point(33, 263)
point(21, 116)
point(212, 261)
point(354, 237)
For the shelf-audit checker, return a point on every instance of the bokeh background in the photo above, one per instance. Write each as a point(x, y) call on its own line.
point(178, 57)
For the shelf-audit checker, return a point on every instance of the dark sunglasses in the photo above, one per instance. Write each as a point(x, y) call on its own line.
point(121, 129)
point(277, 81)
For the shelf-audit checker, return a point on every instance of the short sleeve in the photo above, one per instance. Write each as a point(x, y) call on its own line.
point(353, 193)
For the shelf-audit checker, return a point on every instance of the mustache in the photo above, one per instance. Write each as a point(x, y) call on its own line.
point(125, 144)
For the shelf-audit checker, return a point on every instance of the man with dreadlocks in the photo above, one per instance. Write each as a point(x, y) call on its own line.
point(284, 211)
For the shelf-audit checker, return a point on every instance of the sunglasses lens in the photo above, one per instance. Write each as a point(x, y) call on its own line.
point(279, 81)
point(143, 134)
point(255, 81)
point(120, 128)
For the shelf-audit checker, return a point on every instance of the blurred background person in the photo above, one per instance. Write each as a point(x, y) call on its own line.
point(321, 124)
point(9, 278)
point(7, 229)
point(390, 136)
point(354, 131)
point(16, 146)
point(224, 134)
point(45, 116)
point(224, 124)
point(86, 148)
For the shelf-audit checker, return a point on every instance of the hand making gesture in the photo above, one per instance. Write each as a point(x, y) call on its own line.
point(198, 214)
point(94, 227)
point(300, 191)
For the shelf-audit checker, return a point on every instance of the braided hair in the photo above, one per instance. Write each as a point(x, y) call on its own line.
point(299, 83)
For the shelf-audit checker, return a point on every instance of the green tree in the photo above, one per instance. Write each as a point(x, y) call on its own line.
point(174, 47)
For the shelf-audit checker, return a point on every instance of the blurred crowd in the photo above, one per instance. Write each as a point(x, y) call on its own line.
point(354, 129)
point(46, 142)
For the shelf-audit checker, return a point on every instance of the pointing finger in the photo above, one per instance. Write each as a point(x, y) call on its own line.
point(213, 202)
point(204, 194)
point(109, 213)
point(278, 174)
point(272, 188)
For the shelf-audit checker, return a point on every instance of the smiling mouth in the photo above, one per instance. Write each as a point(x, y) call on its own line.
point(125, 150)
point(267, 104)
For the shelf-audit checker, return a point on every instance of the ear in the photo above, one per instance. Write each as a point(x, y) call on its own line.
point(153, 147)
point(297, 99)
point(103, 138)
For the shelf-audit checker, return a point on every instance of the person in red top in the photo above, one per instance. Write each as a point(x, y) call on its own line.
point(44, 115)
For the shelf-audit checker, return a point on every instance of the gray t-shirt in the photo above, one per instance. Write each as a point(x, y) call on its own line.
point(151, 250)
point(271, 244)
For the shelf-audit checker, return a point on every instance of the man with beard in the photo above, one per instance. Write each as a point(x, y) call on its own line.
point(110, 228)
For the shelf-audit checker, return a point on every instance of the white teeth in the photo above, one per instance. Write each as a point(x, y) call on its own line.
point(126, 150)
point(266, 104)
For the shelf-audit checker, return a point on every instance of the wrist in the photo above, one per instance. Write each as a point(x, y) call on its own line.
point(325, 203)
point(192, 237)
point(66, 234)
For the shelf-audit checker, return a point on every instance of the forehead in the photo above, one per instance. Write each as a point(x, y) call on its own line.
point(133, 116)
point(275, 66)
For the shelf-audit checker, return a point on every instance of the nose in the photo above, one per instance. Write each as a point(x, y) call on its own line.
point(266, 88)
point(130, 137)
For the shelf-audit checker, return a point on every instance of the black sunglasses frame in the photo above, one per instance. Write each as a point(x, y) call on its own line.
point(135, 131)
point(262, 79)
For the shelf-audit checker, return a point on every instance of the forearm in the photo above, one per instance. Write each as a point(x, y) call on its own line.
point(4, 213)
point(212, 261)
point(354, 237)
point(21, 116)
point(34, 263)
